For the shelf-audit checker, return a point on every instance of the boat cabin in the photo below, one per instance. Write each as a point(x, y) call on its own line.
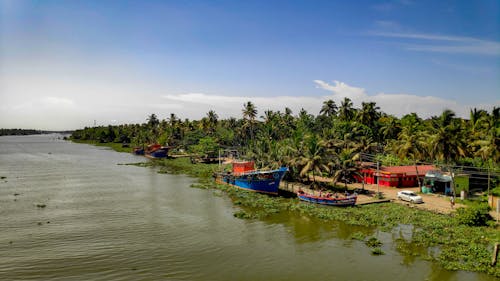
point(241, 167)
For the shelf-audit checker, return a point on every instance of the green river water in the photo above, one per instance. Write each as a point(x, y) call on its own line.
point(104, 221)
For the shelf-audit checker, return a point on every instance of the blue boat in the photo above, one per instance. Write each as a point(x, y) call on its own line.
point(156, 151)
point(245, 177)
point(329, 199)
point(160, 153)
point(138, 151)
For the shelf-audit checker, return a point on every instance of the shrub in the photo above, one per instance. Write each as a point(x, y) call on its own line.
point(477, 215)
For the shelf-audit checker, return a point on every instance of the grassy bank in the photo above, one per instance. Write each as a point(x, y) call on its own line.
point(435, 237)
point(115, 146)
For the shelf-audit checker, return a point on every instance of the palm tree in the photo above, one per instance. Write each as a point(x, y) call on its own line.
point(212, 121)
point(346, 111)
point(488, 138)
point(249, 114)
point(412, 141)
point(345, 165)
point(313, 157)
point(153, 124)
point(329, 108)
point(447, 141)
point(368, 113)
point(390, 128)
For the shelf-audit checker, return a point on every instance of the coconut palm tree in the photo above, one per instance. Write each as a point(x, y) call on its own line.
point(329, 108)
point(368, 114)
point(212, 119)
point(346, 111)
point(313, 159)
point(345, 165)
point(249, 115)
point(447, 141)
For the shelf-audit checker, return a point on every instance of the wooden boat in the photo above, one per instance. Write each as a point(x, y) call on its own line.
point(243, 175)
point(138, 151)
point(328, 199)
point(155, 151)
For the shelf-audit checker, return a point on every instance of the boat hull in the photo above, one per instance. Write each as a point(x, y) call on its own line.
point(160, 153)
point(257, 181)
point(341, 202)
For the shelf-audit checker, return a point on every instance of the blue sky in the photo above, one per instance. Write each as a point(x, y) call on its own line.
point(64, 64)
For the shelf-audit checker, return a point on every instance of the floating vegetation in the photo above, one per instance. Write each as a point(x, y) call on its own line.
point(377, 252)
point(197, 185)
point(358, 236)
point(373, 242)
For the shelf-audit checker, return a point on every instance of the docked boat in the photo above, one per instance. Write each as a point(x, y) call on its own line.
point(138, 151)
point(155, 151)
point(329, 199)
point(244, 175)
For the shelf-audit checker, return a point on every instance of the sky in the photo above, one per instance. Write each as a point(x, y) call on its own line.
point(70, 64)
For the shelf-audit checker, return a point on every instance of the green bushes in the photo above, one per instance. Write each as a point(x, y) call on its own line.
point(476, 215)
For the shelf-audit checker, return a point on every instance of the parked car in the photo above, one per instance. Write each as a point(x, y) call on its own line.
point(410, 196)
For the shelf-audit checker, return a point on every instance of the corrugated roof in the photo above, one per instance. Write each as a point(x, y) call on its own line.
point(409, 170)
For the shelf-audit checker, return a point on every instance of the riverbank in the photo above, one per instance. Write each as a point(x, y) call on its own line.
point(434, 237)
point(440, 238)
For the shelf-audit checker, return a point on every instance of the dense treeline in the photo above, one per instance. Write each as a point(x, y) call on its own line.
point(329, 143)
point(17, 132)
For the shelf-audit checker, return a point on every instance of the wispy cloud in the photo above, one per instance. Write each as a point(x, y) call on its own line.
point(397, 104)
point(443, 43)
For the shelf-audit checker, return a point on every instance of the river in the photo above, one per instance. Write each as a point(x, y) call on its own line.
point(71, 212)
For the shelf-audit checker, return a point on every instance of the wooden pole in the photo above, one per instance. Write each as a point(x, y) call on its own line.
point(495, 254)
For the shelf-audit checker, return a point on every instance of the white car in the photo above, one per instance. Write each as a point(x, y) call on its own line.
point(410, 196)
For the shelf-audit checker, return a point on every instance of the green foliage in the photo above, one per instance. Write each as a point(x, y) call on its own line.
point(373, 242)
point(476, 215)
point(205, 145)
point(377, 252)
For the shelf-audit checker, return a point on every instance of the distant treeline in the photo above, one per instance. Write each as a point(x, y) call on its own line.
point(25, 132)
point(17, 132)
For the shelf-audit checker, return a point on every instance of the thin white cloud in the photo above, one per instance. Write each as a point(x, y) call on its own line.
point(398, 104)
point(444, 43)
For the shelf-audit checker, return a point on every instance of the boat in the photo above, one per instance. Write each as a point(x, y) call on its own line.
point(156, 151)
point(138, 151)
point(244, 176)
point(329, 199)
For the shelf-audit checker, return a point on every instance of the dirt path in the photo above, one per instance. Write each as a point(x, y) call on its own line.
point(432, 202)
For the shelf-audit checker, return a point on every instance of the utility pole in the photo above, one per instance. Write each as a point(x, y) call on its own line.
point(418, 178)
point(378, 176)
point(488, 193)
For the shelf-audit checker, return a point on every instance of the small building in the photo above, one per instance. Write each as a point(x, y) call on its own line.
point(395, 176)
point(439, 182)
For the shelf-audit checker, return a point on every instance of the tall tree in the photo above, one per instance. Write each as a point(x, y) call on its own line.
point(447, 142)
point(329, 108)
point(249, 115)
point(346, 111)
